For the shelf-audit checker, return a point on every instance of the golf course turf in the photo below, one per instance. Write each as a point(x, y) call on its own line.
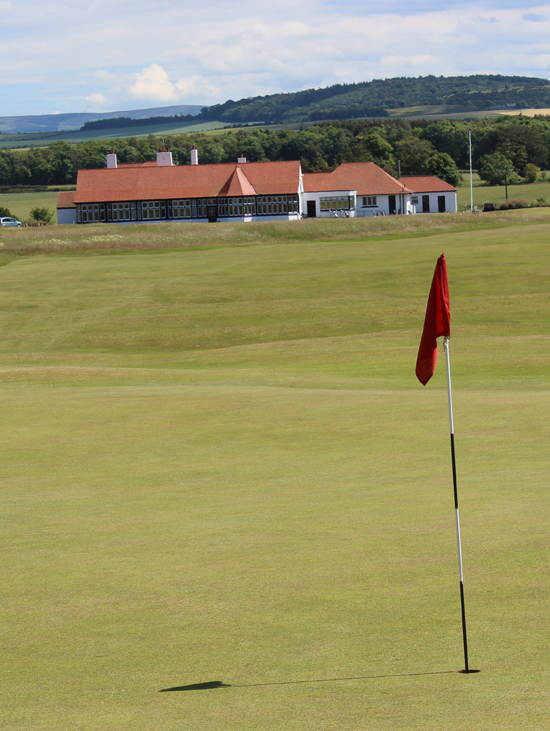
point(220, 478)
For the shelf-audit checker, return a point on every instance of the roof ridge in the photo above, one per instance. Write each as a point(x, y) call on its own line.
point(237, 184)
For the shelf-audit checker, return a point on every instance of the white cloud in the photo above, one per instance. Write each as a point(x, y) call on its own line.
point(120, 52)
point(96, 100)
point(153, 84)
point(195, 86)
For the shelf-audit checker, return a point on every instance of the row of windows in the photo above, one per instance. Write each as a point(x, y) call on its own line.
point(337, 203)
point(369, 200)
point(186, 208)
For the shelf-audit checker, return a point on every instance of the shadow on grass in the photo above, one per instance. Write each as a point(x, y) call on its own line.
point(219, 684)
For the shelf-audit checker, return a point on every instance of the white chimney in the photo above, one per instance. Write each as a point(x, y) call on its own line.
point(241, 159)
point(111, 159)
point(164, 158)
point(194, 156)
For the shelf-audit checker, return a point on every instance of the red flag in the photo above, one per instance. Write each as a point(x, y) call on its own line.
point(437, 322)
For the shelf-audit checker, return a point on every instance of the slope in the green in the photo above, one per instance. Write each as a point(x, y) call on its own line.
point(218, 468)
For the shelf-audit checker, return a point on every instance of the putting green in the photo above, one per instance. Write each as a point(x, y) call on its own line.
point(218, 467)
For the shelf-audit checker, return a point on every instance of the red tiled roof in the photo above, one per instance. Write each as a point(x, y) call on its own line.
point(364, 177)
point(238, 184)
point(128, 183)
point(426, 184)
point(65, 199)
point(146, 164)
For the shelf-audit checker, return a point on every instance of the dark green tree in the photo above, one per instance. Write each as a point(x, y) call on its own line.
point(414, 155)
point(444, 167)
point(496, 169)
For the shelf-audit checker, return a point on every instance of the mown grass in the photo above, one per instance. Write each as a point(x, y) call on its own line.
point(497, 193)
point(217, 465)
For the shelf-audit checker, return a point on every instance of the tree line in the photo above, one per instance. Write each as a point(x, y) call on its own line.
point(502, 146)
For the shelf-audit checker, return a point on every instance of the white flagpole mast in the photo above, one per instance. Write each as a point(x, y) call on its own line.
point(459, 544)
point(471, 176)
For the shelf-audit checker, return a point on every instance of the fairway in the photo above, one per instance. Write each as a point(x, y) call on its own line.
point(221, 479)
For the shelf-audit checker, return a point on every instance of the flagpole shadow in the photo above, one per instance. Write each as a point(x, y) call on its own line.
point(214, 684)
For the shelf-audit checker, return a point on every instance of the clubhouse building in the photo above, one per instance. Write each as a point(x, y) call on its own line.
point(157, 191)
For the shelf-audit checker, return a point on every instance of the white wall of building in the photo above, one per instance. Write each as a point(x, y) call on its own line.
point(379, 205)
point(66, 215)
point(316, 198)
point(433, 201)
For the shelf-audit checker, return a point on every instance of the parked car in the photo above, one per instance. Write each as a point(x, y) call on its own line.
point(489, 207)
point(9, 221)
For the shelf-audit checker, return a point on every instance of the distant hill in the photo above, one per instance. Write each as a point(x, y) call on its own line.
point(374, 98)
point(75, 120)
point(378, 98)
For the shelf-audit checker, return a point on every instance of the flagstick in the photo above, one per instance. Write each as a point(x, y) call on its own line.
point(447, 358)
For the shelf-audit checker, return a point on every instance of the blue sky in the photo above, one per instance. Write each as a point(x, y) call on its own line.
point(121, 54)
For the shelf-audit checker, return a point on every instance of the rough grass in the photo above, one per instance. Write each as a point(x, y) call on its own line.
point(111, 238)
point(217, 466)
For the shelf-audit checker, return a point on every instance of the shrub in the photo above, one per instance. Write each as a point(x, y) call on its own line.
point(531, 172)
point(4, 211)
point(509, 205)
point(41, 214)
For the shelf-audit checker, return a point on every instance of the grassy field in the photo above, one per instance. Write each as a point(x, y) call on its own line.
point(218, 467)
point(21, 204)
point(43, 139)
point(497, 193)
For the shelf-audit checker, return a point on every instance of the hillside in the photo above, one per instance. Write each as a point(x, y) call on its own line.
point(377, 98)
point(374, 98)
point(74, 120)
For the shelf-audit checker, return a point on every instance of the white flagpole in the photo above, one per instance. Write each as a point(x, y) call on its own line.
point(459, 544)
point(471, 176)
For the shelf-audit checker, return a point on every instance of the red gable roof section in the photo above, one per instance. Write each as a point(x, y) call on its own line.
point(238, 184)
point(364, 177)
point(65, 199)
point(426, 184)
point(129, 183)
